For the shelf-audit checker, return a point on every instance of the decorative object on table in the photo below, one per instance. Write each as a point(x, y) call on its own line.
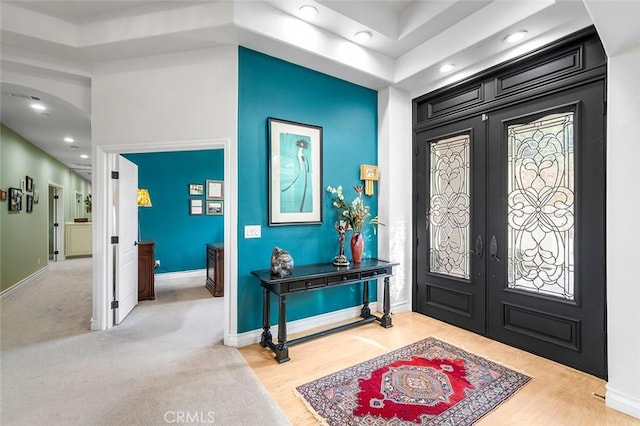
point(295, 173)
point(196, 189)
point(88, 202)
point(29, 203)
point(3, 195)
point(15, 200)
point(214, 189)
point(29, 184)
point(195, 207)
point(355, 214)
point(369, 174)
point(341, 259)
point(428, 382)
point(281, 262)
point(214, 207)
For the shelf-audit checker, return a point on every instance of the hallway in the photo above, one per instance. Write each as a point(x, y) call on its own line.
point(166, 358)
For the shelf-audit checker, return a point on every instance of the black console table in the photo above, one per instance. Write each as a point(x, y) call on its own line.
point(316, 277)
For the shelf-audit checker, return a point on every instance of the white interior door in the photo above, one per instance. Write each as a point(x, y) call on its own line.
point(126, 289)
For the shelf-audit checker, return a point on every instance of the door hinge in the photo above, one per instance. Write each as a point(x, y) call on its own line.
point(416, 150)
point(485, 117)
point(55, 197)
point(56, 224)
point(114, 304)
point(115, 175)
point(115, 240)
point(604, 108)
point(56, 252)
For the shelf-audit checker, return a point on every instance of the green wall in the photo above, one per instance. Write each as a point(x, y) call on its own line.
point(24, 236)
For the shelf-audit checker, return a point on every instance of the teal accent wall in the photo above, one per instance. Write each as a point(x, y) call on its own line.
point(180, 237)
point(347, 113)
point(24, 237)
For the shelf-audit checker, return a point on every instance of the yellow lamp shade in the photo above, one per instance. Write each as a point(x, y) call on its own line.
point(144, 199)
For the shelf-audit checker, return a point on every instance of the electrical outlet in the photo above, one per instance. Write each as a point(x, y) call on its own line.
point(252, 231)
point(157, 265)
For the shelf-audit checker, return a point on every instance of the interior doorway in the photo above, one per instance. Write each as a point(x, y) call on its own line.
point(104, 218)
point(56, 222)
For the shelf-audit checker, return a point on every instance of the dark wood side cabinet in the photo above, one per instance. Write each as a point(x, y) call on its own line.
point(146, 266)
point(215, 269)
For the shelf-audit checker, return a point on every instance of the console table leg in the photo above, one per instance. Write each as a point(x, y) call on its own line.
point(385, 321)
point(282, 349)
point(365, 312)
point(266, 333)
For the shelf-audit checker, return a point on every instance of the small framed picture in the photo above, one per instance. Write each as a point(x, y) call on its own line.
point(29, 203)
point(195, 207)
point(215, 207)
point(29, 184)
point(214, 190)
point(15, 199)
point(3, 195)
point(196, 189)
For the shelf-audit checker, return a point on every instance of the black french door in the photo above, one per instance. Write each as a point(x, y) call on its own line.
point(510, 226)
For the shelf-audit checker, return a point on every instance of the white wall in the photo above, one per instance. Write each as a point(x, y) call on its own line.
point(395, 186)
point(623, 232)
point(162, 103)
point(186, 96)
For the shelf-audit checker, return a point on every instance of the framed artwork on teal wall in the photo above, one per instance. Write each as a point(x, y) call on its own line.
point(214, 189)
point(295, 173)
point(214, 207)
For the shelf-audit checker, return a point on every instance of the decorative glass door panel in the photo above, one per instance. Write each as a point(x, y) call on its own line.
point(449, 206)
point(541, 207)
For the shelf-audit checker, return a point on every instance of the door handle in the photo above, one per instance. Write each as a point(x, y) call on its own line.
point(493, 249)
point(479, 246)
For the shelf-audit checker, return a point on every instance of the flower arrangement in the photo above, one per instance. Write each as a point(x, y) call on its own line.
point(354, 213)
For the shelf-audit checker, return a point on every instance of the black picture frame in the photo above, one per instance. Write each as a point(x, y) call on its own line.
point(295, 173)
point(196, 189)
point(29, 184)
point(15, 200)
point(29, 203)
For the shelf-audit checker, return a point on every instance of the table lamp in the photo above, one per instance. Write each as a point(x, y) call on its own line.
point(144, 200)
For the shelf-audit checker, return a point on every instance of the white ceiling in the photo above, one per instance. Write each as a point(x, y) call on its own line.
point(411, 40)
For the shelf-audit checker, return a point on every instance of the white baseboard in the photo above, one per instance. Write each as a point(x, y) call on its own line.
point(301, 325)
point(196, 273)
point(21, 284)
point(401, 307)
point(624, 403)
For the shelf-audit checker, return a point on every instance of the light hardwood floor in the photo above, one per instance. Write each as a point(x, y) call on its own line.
point(557, 395)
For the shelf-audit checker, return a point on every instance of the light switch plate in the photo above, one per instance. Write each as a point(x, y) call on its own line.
point(252, 231)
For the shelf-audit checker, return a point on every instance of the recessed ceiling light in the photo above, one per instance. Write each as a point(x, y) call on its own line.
point(85, 156)
point(516, 37)
point(38, 107)
point(362, 36)
point(308, 12)
point(68, 139)
point(447, 67)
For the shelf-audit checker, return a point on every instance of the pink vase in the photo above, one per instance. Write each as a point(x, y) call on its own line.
point(357, 247)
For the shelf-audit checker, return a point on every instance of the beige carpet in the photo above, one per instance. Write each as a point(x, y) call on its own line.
point(164, 364)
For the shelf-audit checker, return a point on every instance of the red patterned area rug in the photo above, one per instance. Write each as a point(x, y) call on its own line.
point(429, 382)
